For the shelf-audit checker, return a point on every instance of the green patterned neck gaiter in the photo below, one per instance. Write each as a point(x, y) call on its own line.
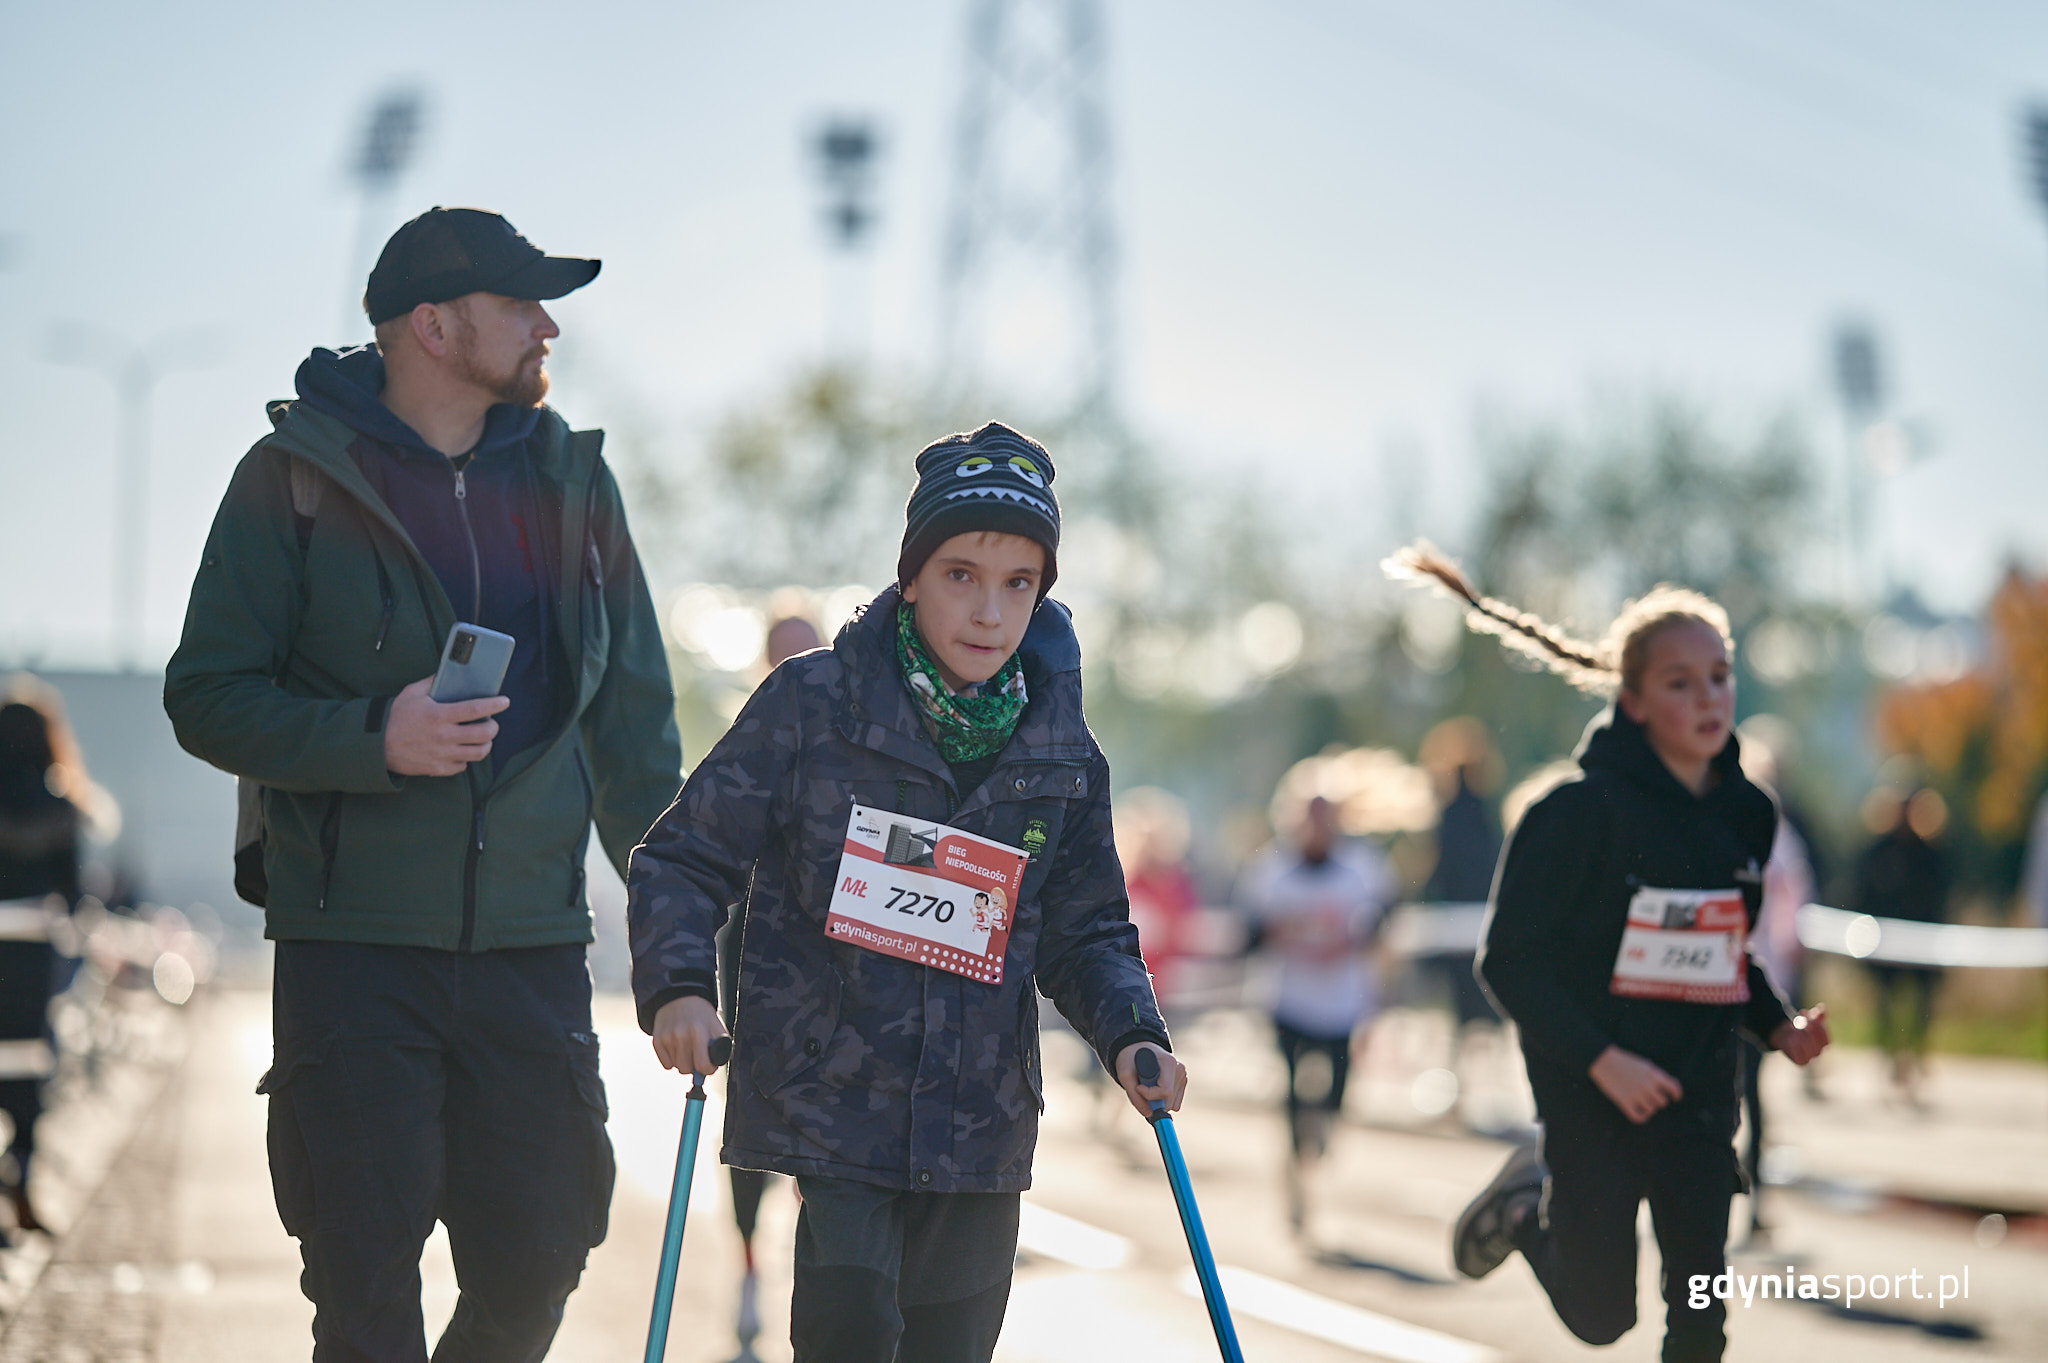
point(967, 726)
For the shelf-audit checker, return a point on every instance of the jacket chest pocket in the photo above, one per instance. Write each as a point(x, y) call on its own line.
point(1028, 809)
point(826, 811)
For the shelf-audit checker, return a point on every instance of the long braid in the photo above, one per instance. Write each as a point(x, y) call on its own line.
point(1577, 662)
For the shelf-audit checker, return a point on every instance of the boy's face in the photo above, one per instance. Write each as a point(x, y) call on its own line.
point(973, 600)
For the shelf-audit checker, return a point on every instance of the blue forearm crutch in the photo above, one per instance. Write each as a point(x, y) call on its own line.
point(679, 1205)
point(1147, 1065)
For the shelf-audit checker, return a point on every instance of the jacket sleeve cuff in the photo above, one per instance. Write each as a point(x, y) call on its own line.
point(689, 984)
point(1132, 1038)
point(366, 751)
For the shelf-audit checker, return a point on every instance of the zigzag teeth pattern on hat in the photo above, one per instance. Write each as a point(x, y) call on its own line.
point(1007, 494)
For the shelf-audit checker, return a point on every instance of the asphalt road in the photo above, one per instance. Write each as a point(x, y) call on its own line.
point(1104, 1271)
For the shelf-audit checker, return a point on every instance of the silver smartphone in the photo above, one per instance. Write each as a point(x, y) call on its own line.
point(473, 664)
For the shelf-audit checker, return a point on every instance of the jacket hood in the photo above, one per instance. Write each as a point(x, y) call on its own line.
point(345, 385)
point(1050, 646)
point(1052, 725)
point(1616, 743)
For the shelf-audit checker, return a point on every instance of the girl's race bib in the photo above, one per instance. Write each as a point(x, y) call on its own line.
point(1686, 945)
point(927, 893)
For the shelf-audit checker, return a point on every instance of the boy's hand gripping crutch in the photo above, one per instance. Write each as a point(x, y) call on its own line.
point(1147, 1066)
point(679, 1204)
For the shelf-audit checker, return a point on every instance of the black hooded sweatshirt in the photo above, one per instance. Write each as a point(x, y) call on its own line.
point(473, 519)
point(1561, 902)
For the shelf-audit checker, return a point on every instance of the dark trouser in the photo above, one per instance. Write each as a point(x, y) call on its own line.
point(1753, 1143)
point(889, 1277)
point(1295, 1044)
point(1902, 1030)
point(1583, 1246)
point(412, 1085)
point(27, 981)
point(22, 1101)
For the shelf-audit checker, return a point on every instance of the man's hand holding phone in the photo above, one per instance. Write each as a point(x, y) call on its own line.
point(423, 737)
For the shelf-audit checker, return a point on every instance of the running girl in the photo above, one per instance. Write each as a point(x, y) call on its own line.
point(1617, 942)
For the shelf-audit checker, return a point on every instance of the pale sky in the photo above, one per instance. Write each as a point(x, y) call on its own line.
point(1344, 228)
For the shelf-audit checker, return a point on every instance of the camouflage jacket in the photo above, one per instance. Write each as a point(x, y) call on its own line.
point(847, 1062)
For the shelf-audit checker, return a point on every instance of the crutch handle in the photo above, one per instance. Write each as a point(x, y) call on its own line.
point(721, 1052)
point(1147, 1066)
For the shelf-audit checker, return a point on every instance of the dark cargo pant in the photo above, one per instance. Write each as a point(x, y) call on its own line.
point(892, 1277)
point(410, 1085)
point(1583, 1246)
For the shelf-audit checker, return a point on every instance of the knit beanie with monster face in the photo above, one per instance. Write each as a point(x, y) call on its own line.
point(992, 479)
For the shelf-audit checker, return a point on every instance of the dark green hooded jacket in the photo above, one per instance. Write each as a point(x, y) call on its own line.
point(299, 633)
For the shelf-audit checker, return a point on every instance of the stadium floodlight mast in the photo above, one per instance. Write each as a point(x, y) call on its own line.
point(847, 152)
point(388, 145)
point(2037, 150)
point(134, 371)
point(847, 149)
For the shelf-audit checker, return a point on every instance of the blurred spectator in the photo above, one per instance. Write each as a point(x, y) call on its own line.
point(2034, 880)
point(40, 825)
point(1789, 885)
point(1316, 906)
point(1465, 768)
point(1151, 831)
point(788, 636)
point(1903, 874)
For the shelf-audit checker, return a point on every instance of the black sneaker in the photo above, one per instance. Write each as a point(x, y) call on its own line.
point(1485, 1233)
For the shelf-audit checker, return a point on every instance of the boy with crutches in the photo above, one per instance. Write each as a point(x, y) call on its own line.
point(886, 1042)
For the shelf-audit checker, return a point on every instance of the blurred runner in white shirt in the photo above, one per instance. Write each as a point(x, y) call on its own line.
point(1315, 908)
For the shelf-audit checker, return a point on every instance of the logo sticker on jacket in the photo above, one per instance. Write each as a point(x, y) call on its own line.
point(1686, 945)
point(1034, 837)
point(923, 892)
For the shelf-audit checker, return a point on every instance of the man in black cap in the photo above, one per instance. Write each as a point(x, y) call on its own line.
point(420, 862)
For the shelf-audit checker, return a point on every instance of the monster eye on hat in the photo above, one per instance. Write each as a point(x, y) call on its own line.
point(990, 479)
point(445, 253)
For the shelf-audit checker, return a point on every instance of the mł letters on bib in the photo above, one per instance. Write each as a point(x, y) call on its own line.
point(1686, 945)
point(927, 893)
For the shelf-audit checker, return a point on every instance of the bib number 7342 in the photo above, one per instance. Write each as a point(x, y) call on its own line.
point(1685, 945)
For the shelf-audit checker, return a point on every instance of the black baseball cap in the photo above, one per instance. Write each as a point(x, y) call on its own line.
point(445, 253)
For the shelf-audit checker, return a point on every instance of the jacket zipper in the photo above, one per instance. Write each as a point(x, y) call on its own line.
point(476, 569)
point(469, 869)
point(330, 846)
point(388, 603)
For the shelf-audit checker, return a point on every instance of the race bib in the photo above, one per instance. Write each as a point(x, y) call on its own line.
point(923, 892)
point(1685, 945)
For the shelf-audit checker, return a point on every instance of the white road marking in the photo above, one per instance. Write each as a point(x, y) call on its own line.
point(1319, 1317)
point(1052, 1236)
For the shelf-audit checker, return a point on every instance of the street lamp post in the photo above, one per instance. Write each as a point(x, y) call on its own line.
point(134, 371)
point(1859, 384)
point(2037, 150)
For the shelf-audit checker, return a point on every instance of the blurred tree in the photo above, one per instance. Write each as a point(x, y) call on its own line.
point(1577, 520)
point(1982, 739)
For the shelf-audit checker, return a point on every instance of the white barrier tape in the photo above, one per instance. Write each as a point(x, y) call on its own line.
point(1456, 929)
point(27, 1059)
point(1435, 929)
point(24, 923)
point(1896, 941)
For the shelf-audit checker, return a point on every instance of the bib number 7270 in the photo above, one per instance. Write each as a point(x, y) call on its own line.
point(924, 892)
point(905, 899)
